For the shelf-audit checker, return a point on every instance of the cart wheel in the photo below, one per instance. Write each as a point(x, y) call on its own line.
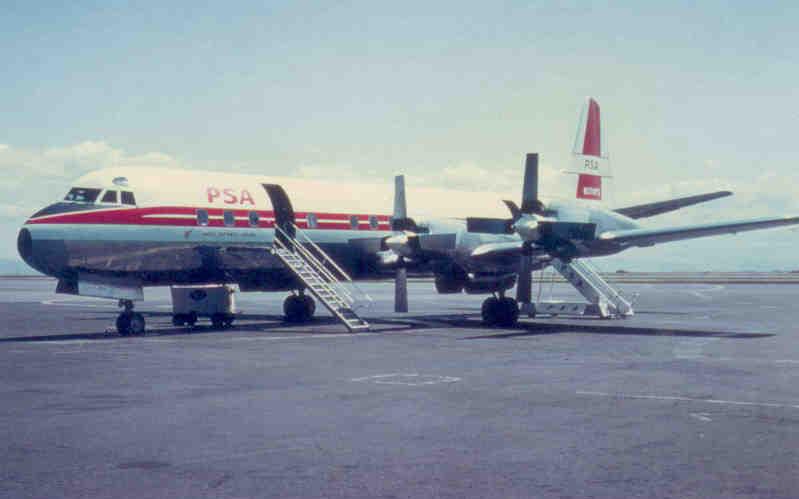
point(218, 320)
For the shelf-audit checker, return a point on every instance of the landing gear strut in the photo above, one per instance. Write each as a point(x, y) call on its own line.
point(129, 322)
point(500, 311)
point(299, 308)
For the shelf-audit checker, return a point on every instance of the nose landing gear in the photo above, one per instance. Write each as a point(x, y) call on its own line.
point(129, 322)
point(500, 311)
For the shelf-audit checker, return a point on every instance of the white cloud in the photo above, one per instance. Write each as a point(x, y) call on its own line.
point(33, 178)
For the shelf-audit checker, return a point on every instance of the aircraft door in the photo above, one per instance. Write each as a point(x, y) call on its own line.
point(281, 205)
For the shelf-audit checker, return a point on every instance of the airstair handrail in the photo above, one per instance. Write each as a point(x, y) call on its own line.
point(319, 251)
point(330, 279)
point(327, 258)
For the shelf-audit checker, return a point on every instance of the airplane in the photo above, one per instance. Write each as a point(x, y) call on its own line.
point(121, 229)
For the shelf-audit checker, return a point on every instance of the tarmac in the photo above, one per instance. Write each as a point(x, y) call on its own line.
point(697, 395)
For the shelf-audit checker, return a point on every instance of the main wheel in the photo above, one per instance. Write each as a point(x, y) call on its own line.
point(310, 306)
point(137, 323)
point(294, 309)
point(490, 311)
point(508, 312)
point(179, 320)
point(123, 324)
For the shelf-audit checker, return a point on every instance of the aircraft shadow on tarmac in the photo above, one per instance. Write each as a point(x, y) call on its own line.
point(255, 323)
point(266, 323)
point(542, 328)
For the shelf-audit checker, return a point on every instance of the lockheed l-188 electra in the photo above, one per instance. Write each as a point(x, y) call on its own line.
point(119, 230)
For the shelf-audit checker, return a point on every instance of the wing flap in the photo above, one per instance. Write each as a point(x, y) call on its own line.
point(649, 237)
point(652, 209)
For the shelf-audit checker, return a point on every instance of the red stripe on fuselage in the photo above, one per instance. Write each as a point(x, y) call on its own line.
point(161, 216)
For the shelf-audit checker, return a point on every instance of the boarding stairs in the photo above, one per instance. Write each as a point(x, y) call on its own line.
point(604, 300)
point(325, 280)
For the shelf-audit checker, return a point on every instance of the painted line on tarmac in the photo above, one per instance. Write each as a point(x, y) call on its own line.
point(702, 293)
point(269, 338)
point(407, 379)
point(670, 398)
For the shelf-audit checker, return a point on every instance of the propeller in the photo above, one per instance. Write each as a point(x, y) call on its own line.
point(527, 225)
point(404, 242)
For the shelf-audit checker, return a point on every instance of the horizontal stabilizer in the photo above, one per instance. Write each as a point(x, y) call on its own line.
point(650, 237)
point(652, 209)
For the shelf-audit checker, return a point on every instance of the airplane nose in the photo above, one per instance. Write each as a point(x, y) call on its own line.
point(25, 245)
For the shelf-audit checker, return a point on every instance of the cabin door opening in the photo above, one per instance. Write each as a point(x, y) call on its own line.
point(284, 213)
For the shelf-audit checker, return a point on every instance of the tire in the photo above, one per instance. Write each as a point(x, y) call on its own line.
point(310, 306)
point(490, 311)
point(218, 321)
point(191, 319)
point(508, 312)
point(228, 322)
point(294, 309)
point(123, 324)
point(179, 320)
point(137, 324)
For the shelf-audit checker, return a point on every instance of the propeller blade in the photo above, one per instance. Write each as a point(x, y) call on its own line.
point(401, 290)
point(400, 205)
point(515, 212)
point(530, 202)
point(399, 219)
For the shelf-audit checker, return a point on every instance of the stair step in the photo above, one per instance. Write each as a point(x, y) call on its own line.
point(318, 279)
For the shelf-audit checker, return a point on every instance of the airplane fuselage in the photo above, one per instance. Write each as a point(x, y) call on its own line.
point(161, 227)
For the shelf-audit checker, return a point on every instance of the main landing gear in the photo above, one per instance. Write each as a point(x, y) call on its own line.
point(129, 322)
point(299, 308)
point(500, 311)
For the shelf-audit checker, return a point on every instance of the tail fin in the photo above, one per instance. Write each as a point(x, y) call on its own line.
point(589, 155)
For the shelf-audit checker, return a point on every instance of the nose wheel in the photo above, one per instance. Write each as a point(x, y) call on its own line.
point(130, 323)
point(298, 308)
point(502, 311)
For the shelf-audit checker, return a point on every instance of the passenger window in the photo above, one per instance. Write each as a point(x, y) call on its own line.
point(202, 217)
point(127, 198)
point(230, 218)
point(373, 222)
point(354, 222)
point(254, 219)
point(82, 195)
point(312, 221)
point(110, 197)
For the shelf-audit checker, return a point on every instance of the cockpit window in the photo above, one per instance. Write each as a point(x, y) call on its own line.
point(110, 197)
point(82, 195)
point(127, 198)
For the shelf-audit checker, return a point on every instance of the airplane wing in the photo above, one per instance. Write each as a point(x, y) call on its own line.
point(650, 237)
point(652, 209)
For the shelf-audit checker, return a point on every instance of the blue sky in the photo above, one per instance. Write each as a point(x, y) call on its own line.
point(694, 98)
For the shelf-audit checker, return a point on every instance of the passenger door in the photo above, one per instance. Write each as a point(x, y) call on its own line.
point(284, 213)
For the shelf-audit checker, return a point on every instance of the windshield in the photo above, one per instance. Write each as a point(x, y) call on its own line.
point(82, 195)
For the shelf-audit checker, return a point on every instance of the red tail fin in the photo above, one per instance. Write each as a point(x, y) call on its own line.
point(590, 154)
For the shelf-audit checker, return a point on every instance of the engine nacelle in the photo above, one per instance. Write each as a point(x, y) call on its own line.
point(487, 285)
point(448, 285)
